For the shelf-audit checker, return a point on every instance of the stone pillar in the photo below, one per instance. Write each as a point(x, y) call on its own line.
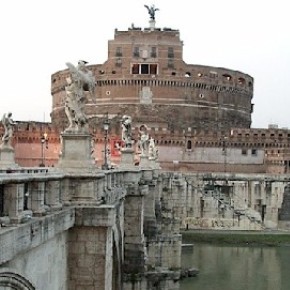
point(144, 162)
point(134, 251)
point(284, 212)
point(152, 24)
point(150, 226)
point(37, 198)
point(14, 195)
point(76, 152)
point(53, 194)
point(7, 159)
point(127, 158)
point(83, 190)
point(90, 249)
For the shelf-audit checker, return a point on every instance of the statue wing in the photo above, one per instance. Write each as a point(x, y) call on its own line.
point(76, 74)
point(71, 67)
point(4, 119)
point(147, 7)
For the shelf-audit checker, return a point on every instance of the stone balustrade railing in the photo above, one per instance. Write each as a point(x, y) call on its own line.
point(32, 192)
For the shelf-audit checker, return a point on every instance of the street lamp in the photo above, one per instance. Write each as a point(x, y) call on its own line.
point(106, 124)
point(224, 152)
point(44, 140)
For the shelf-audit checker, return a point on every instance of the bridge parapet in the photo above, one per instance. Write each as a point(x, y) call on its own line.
point(104, 221)
point(27, 193)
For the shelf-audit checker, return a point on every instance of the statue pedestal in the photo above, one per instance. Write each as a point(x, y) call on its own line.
point(76, 152)
point(127, 157)
point(144, 161)
point(152, 24)
point(7, 159)
point(154, 164)
point(147, 162)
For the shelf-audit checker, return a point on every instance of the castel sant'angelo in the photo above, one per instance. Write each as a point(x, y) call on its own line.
point(199, 116)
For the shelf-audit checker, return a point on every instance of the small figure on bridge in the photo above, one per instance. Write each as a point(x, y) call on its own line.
point(144, 140)
point(8, 127)
point(126, 123)
point(153, 151)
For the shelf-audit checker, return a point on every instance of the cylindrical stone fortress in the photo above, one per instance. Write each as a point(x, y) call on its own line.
point(146, 77)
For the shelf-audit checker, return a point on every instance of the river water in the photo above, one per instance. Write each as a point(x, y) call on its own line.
point(237, 267)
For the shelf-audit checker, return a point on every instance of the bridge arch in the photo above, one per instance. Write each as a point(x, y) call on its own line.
point(13, 281)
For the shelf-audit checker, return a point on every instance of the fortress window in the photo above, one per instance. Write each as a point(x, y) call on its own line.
point(153, 52)
point(136, 52)
point(241, 81)
point(153, 69)
point(170, 52)
point(135, 69)
point(188, 145)
point(144, 69)
point(244, 152)
point(170, 63)
point(254, 152)
point(227, 77)
point(118, 62)
point(119, 52)
point(199, 75)
point(213, 74)
point(187, 74)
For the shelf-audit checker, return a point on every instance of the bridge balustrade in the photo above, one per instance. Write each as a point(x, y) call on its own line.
point(34, 192)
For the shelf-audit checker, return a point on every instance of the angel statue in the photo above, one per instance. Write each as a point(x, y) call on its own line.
point(144, 140)
point(152, 151)
point(81, 80)
point(126, 123)
point(151, 11)
point(8, 127)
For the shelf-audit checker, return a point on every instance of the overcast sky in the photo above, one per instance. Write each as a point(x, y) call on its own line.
point(39, 36)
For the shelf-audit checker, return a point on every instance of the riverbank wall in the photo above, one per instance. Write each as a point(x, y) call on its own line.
point(247, 238)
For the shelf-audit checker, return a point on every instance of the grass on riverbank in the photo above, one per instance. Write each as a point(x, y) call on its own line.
point(247, 238)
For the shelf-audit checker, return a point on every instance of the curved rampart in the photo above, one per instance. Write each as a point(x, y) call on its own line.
point(201, 96)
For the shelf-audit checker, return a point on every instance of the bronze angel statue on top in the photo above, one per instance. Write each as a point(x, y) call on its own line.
point(151, 11)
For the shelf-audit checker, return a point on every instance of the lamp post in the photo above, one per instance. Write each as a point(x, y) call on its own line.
point(43, 140)
point(106, 124)
point(224, 151)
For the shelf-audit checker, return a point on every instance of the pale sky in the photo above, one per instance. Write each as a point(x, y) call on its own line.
point(39, 36)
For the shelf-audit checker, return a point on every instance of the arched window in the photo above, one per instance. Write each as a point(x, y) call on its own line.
point(227, 77)
point(188, 145)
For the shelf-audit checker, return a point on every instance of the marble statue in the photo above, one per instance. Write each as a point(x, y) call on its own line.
point(152, 151)
point(8, 124)
point(151, 11)
point(126, 123)
point(79, 81)
point(144, 140)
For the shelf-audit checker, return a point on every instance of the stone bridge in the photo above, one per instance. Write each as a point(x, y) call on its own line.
point(120, 229)
point(93, 230)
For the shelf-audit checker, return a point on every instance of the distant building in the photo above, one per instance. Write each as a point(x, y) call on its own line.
point(200, 116)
